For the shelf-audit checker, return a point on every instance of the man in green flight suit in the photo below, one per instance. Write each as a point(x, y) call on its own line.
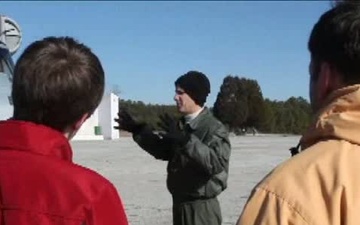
point(197, 149)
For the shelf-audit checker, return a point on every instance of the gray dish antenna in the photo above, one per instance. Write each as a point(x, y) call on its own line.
point(10, 34)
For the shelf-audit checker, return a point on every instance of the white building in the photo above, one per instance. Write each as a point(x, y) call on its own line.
point(101, 124)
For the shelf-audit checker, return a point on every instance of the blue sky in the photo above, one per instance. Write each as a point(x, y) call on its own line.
point(145, 46)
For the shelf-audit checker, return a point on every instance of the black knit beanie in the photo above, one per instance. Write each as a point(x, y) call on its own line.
point(196, 85)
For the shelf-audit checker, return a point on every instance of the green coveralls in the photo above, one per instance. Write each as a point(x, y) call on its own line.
point(197, 171)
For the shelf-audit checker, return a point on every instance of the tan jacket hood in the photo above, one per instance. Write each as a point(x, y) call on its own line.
point(340, 118)
point(320, 186)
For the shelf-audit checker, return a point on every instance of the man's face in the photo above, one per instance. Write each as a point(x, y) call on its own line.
point(184, 103)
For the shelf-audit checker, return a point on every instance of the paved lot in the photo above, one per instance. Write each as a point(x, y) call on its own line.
point(140, 179)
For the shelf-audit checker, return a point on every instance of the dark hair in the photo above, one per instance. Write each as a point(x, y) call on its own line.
point(335, 39)
point(56, 81)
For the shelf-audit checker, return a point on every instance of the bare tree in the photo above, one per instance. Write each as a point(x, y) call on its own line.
point(116, 90)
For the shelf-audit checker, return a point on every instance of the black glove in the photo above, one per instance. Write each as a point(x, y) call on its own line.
point(127, 122)
point(173, 132)
point(166, 122)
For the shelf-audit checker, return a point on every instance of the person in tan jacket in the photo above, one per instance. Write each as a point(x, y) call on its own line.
point(321, 184)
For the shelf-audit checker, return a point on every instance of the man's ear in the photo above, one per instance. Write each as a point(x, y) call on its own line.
point(80, 122)
point(71, 130)
point(329, 80)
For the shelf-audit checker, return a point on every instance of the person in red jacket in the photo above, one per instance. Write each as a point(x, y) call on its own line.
point(57, 84)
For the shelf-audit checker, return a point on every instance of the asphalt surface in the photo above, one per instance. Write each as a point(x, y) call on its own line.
point(140, 179)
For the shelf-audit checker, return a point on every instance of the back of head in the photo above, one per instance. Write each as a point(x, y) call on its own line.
point(56, 81)
point(335, 39)
point(196, 85)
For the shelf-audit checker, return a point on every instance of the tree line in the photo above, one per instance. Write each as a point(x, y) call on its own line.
point(241, 106)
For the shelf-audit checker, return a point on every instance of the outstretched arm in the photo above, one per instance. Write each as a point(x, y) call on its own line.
point(154, 144)
point(144, 136)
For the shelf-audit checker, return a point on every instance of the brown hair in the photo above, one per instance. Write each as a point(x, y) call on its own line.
point(56, 81)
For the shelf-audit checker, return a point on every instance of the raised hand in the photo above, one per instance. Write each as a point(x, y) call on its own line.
point(127, 122)
point(173, 132)
point(167, 122)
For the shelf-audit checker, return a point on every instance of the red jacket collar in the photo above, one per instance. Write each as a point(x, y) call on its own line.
point(30, 137)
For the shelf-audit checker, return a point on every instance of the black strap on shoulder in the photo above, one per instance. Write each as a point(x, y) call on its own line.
point(295, 150)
